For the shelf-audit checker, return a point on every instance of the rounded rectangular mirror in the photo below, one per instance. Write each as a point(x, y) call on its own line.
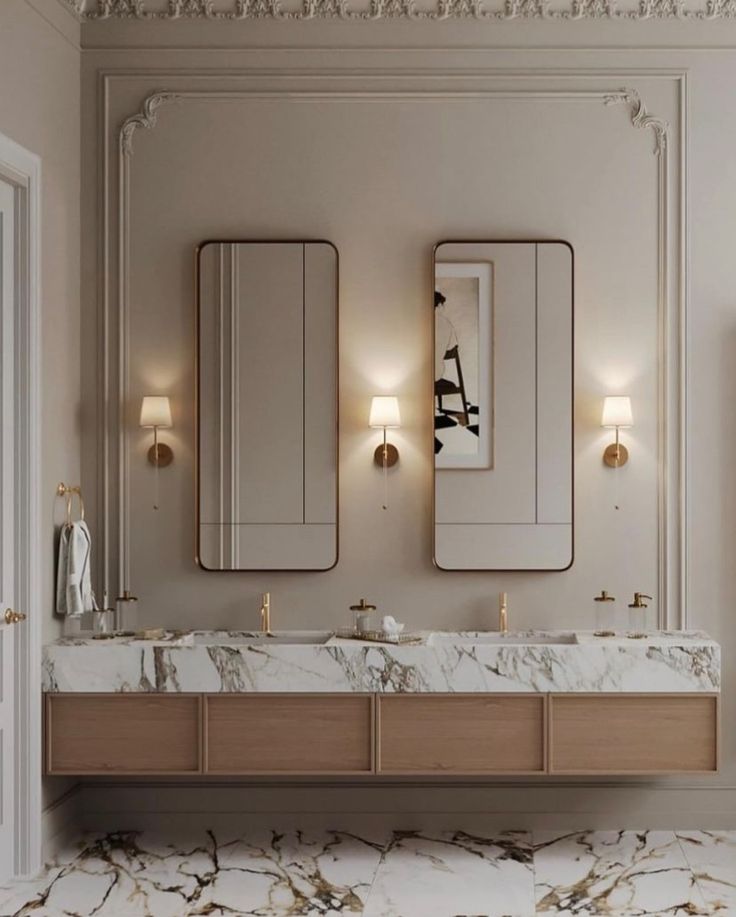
point(503, 405)
point(267, 405)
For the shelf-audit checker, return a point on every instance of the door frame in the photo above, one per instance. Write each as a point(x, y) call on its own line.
point(22, 169)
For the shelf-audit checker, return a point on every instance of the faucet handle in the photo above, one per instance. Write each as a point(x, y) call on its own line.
point(638, 600)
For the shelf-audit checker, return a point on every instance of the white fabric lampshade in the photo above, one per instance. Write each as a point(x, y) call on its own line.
point(617, 412)
point(385, 412)
point(156, 411)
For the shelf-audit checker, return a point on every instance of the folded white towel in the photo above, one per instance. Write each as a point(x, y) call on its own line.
point(391, 627)
point(74, 593)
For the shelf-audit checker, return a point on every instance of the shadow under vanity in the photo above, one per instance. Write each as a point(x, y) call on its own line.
point(223, 703)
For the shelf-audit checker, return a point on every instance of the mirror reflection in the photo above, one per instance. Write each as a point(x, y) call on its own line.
point(267, 405)
point(503, 371)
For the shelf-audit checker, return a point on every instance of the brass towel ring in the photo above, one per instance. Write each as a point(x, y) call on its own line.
point(66, 490)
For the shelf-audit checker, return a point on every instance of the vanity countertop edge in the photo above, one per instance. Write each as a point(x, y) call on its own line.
point(660, 662)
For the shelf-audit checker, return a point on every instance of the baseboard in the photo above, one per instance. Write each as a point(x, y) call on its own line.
point(153, 806)
point(60, 823)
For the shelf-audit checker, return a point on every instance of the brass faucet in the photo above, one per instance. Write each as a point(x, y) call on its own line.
point(638, 600)
point(503, 613)
point(266, 613)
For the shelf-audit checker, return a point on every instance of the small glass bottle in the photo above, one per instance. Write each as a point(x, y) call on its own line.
point(103, 621)
point(604, 614)
point(126, 612)
point(363, 616)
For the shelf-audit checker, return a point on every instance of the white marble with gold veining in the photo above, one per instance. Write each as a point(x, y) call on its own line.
point(624, 873)
point(263, 872)
point(435, 874)
point(374, 872)
point(712, 857)
point(659, 662)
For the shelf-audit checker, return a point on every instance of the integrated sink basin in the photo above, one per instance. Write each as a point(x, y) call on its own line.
point(245, 638)
point(496, 639)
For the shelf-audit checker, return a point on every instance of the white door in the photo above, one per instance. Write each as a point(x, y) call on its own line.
point(7, 527)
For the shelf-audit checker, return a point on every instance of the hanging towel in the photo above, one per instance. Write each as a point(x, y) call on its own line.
point(74, 593)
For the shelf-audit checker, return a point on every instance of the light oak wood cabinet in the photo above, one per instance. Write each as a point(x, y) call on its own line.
point(633, 734)
point(123, 733)
point(461, 734)
point(402, 734)
point(289, 733)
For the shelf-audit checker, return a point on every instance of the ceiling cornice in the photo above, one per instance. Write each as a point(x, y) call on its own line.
point(75, 7)
point(484, 10)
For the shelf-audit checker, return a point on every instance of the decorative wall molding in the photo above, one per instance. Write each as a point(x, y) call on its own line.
point(369, 10)
point(147, 118)
point(671, 312)
point(640, 117)
point(23, 170)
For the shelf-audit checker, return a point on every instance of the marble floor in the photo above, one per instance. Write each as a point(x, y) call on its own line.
point(386, 874)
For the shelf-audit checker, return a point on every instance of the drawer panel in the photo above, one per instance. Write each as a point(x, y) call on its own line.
point(122, 733)
point(289, 733)
point(461, 734)
point(633, 734)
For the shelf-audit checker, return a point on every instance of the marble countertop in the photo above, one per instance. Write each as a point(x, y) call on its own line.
point(225, 661)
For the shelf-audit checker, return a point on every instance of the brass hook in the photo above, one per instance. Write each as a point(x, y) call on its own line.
point(66, 490)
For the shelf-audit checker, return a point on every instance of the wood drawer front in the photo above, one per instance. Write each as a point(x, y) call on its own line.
point(289, 733)
point(123, 733)
point(633, 734)
point(461, 734)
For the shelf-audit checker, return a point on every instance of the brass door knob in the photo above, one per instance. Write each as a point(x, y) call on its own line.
point(14, 617)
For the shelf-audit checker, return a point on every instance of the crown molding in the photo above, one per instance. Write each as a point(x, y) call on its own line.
point(75, 7)
point(493, 11)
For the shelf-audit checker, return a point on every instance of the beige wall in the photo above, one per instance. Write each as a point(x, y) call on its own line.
point(384, 178)
point(39, 108)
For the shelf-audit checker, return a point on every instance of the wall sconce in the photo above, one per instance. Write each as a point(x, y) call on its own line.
point(156, 414)
point(616, 414)
point(385, 415)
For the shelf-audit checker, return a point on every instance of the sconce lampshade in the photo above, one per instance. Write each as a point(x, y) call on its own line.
point(617, 412)
point(385, 412)
point(156, 411)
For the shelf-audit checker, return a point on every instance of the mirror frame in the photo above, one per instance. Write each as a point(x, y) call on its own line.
point(431, 402)
point(198, 406)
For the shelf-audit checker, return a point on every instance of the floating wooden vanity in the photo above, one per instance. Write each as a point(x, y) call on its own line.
point(419, 734)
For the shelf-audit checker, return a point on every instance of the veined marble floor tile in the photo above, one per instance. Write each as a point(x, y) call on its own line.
point(621, 873)
point(271, 874)
point(712, 858)
point(449, 873)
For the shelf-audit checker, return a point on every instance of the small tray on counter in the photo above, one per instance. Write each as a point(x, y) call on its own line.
point(377, 636)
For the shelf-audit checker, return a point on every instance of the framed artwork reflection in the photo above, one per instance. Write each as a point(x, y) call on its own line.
point(463, 365)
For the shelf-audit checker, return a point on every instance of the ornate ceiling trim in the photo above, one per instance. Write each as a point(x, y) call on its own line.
point(437, 10)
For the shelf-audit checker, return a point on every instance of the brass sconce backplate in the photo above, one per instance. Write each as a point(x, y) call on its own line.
point(616, 455)
point(392, 455)
point(165, 455)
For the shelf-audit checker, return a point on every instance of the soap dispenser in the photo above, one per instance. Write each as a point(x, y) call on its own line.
point(638, 614)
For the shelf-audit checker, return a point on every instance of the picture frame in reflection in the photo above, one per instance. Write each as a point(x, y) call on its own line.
point(463, 365)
